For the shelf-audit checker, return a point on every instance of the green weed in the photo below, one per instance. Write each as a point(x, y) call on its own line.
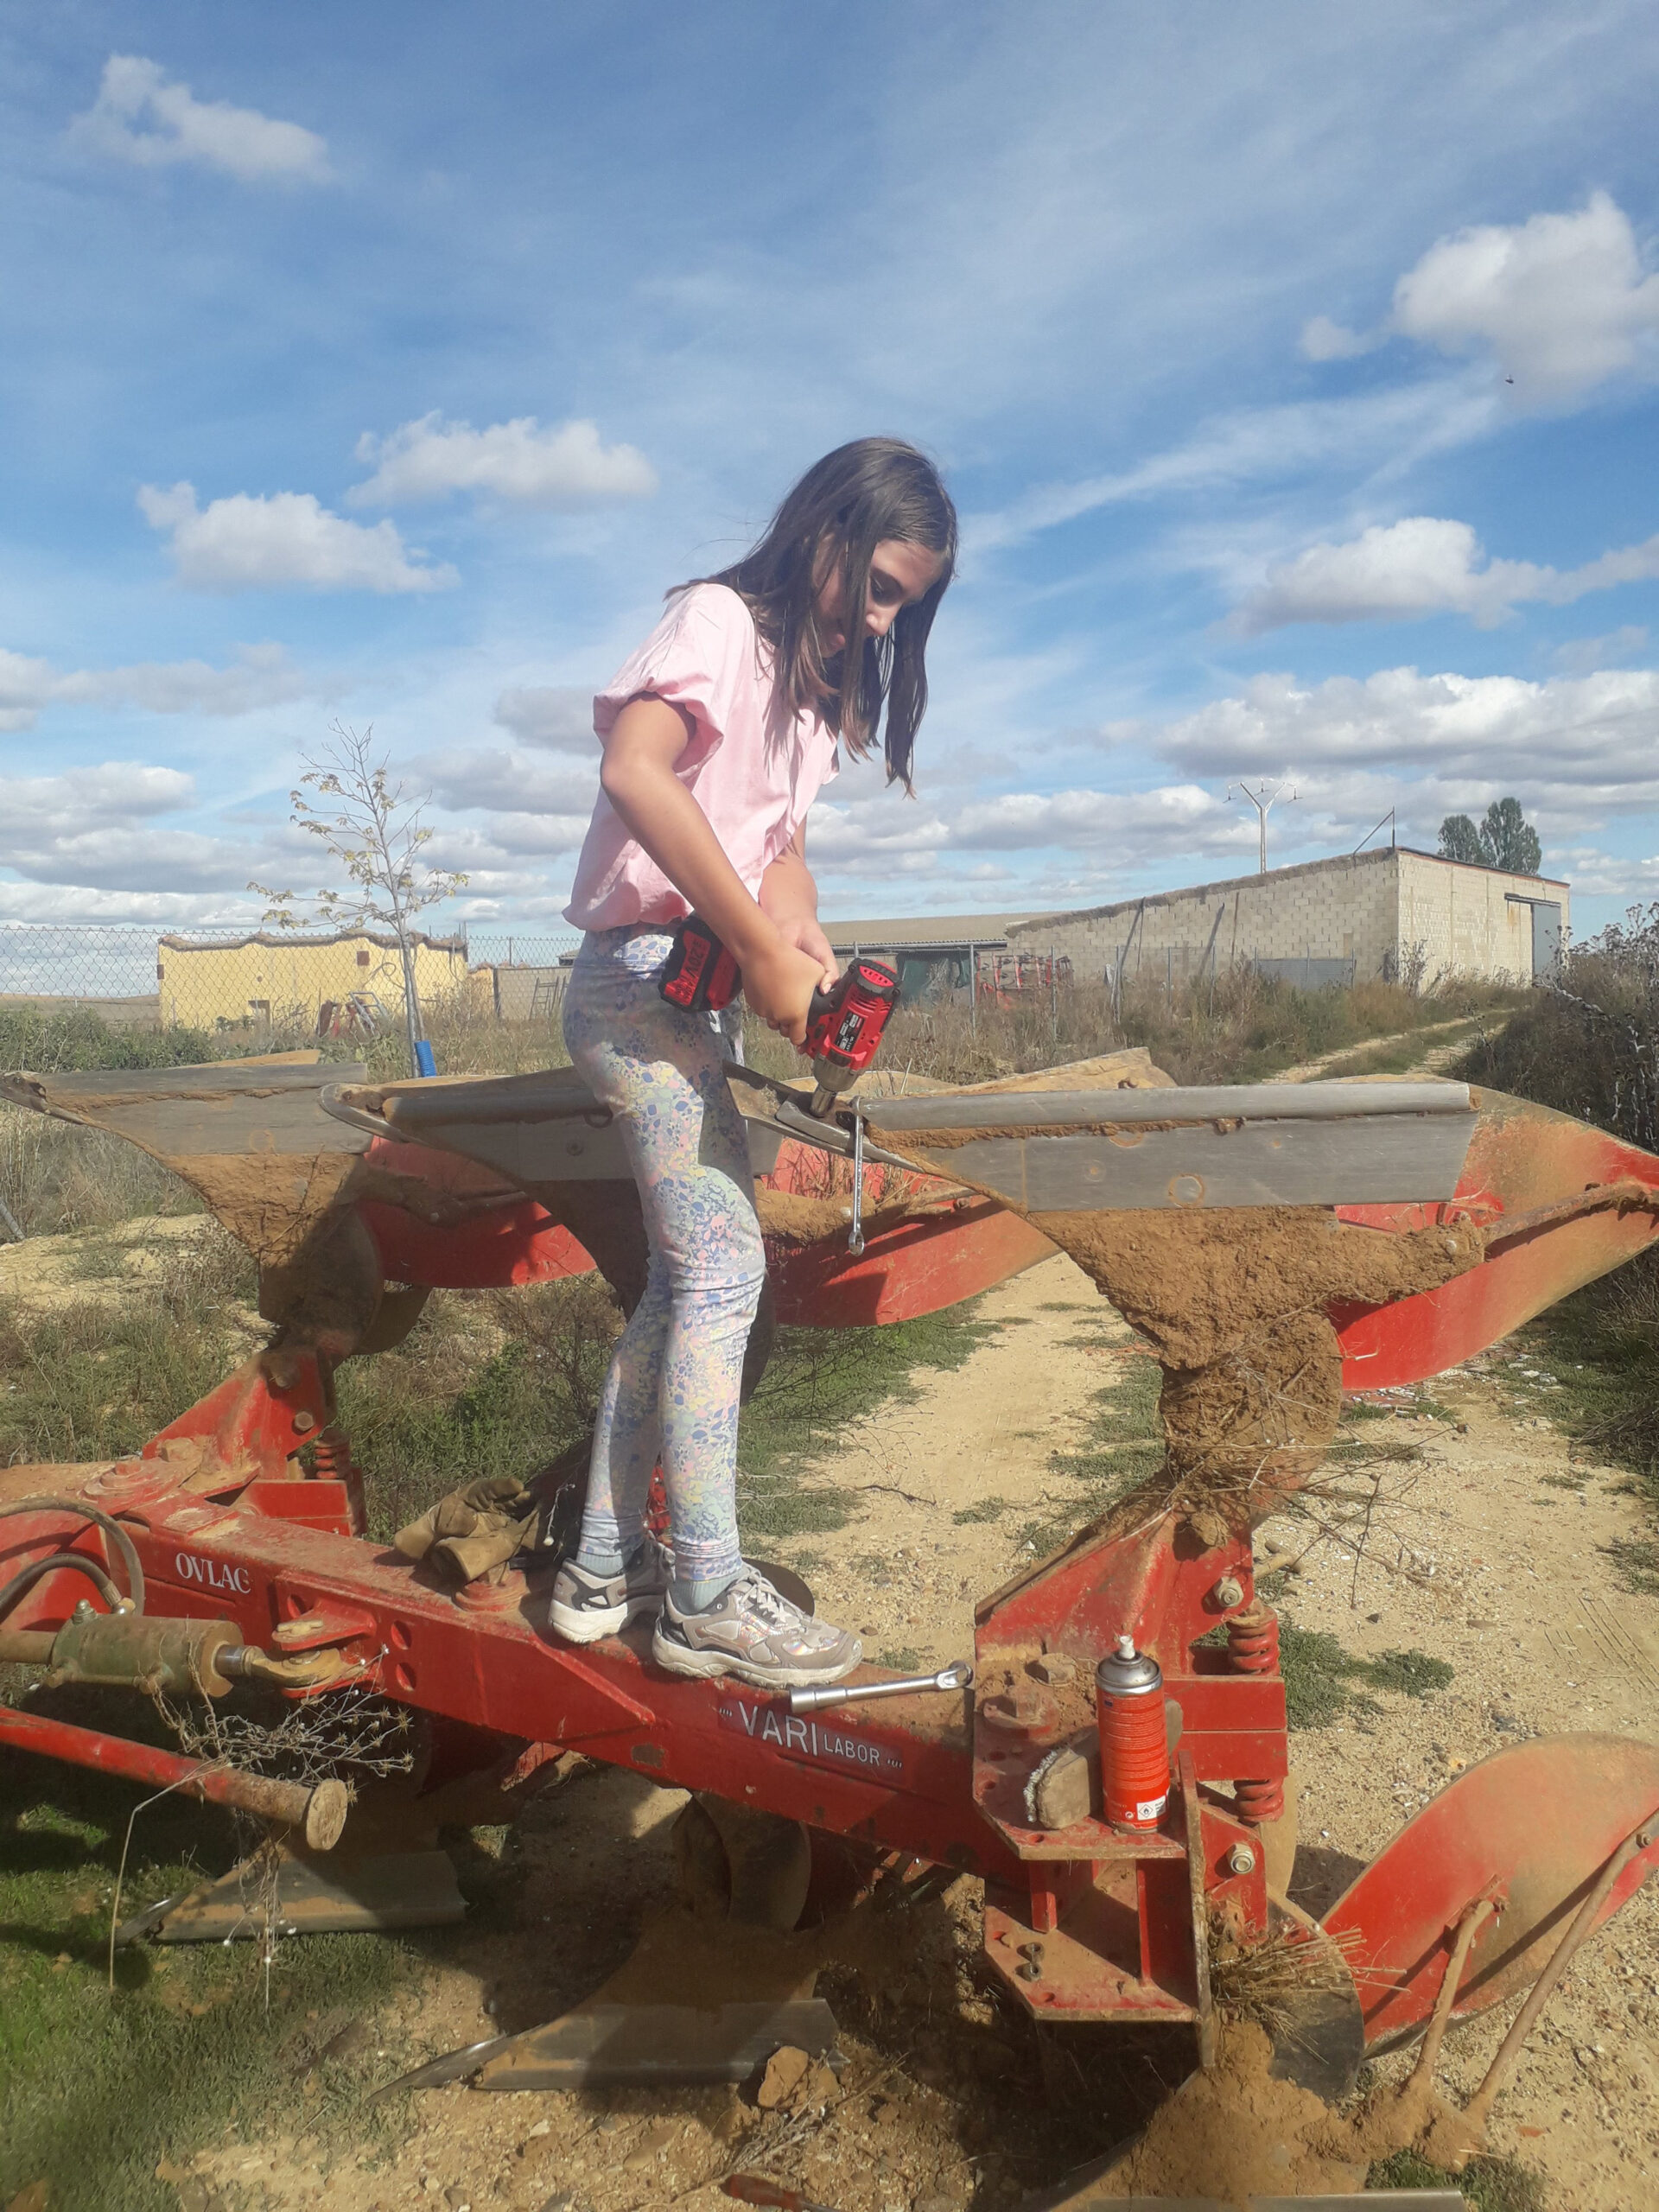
point(1124, 1444)
point(983, 1508)
point(1637, 1559)
point(95, 1381)
point(97, 2086)
point(1602, 1346)
point(1414, 1673)
point(1488, 2184)
point(1322, 1679)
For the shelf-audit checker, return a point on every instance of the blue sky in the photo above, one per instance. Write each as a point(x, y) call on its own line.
point(1296, 370)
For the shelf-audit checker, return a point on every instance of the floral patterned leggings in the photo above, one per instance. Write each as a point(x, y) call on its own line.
point(673, 1389)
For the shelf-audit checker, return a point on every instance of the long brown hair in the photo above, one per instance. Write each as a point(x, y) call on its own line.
point(846, 505)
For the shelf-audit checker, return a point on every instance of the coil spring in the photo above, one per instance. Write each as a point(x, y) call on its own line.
point(1253, 1642)
point(1253, 1649)
point(1258, 1800)
point(332, 1461)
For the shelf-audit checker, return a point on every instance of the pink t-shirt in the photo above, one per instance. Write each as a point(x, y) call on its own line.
point(752, 766)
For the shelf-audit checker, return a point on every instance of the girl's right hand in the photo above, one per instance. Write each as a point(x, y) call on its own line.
point(779, 982)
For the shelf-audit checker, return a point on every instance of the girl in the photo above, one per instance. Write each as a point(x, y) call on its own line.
point(718, 734)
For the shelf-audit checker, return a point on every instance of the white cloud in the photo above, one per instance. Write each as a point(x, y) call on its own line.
point(1178, 818)
point(84, 798)
point(561, 465)
point(546, 834)
point(1424, 565)
point(248, 544)
point(511, 782)
point(82, 827)
point(260, 676)
point(1594, 873)
point(1561, 303)
point(559, 716)
point(140, 117)
point(1561, 300)
point(1590, 738)
point(81, 903)
point(1324, 341)
point(1580, 656)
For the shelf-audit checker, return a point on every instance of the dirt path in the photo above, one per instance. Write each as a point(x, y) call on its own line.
point(1451, 1041)
point(974, 1442)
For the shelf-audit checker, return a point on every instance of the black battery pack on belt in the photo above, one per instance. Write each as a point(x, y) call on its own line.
point(700, 976)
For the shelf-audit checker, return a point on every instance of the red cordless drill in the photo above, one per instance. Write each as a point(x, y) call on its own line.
point(843, 1026)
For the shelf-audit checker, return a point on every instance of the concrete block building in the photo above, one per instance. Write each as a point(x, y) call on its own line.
point(1393, 914)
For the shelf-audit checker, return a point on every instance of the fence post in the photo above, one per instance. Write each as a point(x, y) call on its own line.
point(973, 989)
point(1053, 996)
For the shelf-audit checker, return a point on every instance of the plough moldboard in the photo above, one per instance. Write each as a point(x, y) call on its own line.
point(237, 1534)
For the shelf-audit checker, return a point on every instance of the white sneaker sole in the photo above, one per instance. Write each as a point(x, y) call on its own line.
point(589, 1627)
point(705, 1665)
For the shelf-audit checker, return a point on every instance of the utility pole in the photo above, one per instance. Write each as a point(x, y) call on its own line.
point(1263, 800)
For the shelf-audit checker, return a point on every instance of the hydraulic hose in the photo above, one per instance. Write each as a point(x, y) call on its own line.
point(113, 1529)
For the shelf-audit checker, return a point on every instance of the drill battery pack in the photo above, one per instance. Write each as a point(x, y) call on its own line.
point(700, 976)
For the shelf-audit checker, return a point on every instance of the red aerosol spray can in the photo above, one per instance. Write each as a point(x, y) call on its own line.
point(1134, 1742)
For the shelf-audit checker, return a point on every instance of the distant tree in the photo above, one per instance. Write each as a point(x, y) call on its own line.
point(1460, 841)
point(1510, 839)
point(1506, 839)
point(376, 834)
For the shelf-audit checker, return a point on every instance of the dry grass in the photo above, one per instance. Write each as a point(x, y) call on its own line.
point(1245, 1029)
point(56, 1176)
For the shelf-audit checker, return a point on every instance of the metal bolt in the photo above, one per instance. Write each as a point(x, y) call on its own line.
point(1228, 1593)
point(83, 1610)
point(1241, 1860)
point(305, 1422)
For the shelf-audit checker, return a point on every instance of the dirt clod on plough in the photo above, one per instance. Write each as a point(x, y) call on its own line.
point(1234, 1306)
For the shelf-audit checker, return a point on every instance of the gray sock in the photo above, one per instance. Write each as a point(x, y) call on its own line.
point(697, 1596)
point(602, 1564)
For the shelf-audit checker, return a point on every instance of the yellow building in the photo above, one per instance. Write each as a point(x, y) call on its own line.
point(273, 980)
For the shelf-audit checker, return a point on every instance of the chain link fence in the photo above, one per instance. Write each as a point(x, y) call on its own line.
point(111, 995)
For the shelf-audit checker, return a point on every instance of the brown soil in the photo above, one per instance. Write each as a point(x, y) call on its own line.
point(797, 1219)
point(1235, 2132)
point(1197, 1284)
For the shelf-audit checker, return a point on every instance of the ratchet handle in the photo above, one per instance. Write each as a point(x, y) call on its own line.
point(955, 1678)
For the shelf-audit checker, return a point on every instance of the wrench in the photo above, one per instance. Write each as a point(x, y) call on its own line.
point(856, 1234)
point(956, 1676)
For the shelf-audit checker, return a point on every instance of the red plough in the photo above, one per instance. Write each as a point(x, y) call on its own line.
point(1085, 1920)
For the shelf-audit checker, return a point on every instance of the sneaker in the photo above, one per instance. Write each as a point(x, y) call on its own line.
point(587, 1607)
point(754, 1632)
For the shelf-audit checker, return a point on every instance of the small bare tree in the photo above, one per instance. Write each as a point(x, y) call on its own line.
point(375, 831)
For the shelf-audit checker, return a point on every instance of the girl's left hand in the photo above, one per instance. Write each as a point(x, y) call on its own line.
point(804, 934)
